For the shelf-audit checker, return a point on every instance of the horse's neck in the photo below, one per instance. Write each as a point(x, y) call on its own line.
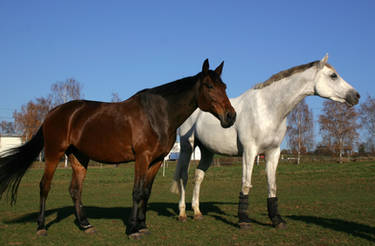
point(282, 96)
point(181, 104)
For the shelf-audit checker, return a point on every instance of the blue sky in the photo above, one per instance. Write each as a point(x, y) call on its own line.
point(125, 46)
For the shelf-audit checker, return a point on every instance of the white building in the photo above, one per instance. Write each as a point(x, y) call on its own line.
point(175, 152)
point(9, 141)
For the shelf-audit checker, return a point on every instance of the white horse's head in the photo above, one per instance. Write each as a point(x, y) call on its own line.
point(329, 84)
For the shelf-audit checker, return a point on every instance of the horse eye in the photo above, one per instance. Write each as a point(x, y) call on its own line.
point(333, 76)
point(209, 86)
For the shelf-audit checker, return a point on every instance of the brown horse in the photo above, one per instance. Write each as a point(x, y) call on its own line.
point(141, 128)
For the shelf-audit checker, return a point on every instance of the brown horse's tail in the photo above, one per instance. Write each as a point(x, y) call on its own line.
point(14, 163)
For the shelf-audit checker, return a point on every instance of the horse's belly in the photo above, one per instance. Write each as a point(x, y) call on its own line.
point(226, 149)
point(108, 152)
point(116, 157)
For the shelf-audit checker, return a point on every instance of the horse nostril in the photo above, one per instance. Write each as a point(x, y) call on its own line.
point(231, 116)
point(358, 96)
point(228, 116)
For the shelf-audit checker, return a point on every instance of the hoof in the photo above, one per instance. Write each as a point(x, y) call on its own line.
point(135, 236)
point(182, 218)
point(198, 217)
point(90, 230)
point(145, 231)
point(280, 226)
point(244, 225)
point(41, 232)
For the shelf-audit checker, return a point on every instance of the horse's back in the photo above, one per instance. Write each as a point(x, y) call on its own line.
point(102, 131)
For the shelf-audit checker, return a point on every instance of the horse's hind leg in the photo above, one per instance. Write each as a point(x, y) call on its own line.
point(181, 175)
point(45, 186)
point(204, 164)
point(75, 190)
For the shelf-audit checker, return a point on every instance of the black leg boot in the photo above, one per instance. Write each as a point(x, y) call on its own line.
point(244, 221)
point(273, 213)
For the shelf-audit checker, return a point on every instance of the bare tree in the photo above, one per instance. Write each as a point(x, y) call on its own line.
point(367, 119)
point(31, 116)
point(115, 97)
point(338, 125)
point(300, 129)
point(63, 92)
point(7, 127)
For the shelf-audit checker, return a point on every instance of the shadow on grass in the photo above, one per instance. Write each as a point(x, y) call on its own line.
point(355, 229)
point(122, 213)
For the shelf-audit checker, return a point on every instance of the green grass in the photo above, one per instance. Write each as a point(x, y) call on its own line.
point(323, 204)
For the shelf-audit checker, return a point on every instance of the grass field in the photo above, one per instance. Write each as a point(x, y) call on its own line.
point(323, 204)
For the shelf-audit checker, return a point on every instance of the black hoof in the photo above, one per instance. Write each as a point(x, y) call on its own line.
point(244, 225)
point(278, 222)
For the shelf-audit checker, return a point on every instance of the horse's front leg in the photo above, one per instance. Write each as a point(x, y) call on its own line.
point(143, 180)
point(150, 177)
point(243, 204)
point(136, 214)
point(272, 160)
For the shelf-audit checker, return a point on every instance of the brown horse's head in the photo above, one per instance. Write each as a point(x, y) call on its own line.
point(212, 96)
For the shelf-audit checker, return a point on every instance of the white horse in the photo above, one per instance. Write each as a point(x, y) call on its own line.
point(260, 128)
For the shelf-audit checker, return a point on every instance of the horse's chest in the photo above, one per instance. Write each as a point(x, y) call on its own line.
point(217, 139)
point(269, 138)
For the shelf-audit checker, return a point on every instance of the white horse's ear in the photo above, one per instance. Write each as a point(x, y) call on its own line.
point(323, 61)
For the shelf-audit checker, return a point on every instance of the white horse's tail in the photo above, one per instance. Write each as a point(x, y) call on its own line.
point(181, 173)
point(187, 146)
point(174, 187)
point(177, 177)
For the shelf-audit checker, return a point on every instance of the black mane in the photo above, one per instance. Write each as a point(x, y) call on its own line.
point(171, 87)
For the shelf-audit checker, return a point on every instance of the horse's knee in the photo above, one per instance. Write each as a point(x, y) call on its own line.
point(199, 175)
point(141, 194)
point(272, 187)
point(74, 192)
point(44, 187)
point(137, 194)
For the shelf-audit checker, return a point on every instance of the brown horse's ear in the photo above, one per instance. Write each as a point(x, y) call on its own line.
point(205, 66)
point(219, 69)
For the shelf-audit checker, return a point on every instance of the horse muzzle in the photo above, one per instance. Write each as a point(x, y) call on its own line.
point(352, 98)
point(228, 119)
